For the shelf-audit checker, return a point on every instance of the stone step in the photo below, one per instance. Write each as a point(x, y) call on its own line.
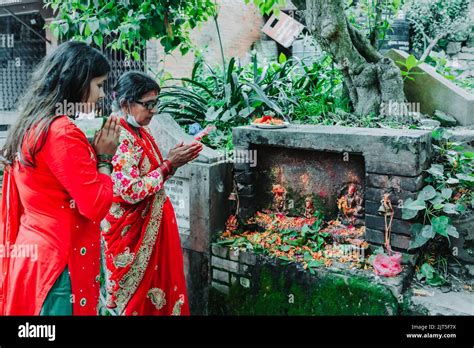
point(438, 303)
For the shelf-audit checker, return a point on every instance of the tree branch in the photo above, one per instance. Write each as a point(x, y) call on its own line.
point(362, 45)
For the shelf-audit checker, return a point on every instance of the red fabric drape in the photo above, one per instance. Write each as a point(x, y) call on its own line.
point(54, 211)
point(142, 247)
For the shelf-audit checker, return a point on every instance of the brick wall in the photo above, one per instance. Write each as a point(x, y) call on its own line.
point(240, 27)
point(230, 266)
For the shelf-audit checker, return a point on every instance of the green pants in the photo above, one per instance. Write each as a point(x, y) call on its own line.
point(58, 301)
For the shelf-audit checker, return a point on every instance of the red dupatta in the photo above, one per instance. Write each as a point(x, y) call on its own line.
point(11, 212)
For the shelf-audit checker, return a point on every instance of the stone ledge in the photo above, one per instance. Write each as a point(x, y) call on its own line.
point(386, 151)
point(400, 183)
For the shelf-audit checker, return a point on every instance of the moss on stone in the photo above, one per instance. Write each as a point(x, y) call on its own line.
point(288, 292)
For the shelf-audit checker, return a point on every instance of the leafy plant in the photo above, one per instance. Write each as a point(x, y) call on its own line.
point(432, 276)
point(373, 17)
point(449, 193)
point(434, 21)
point(230, 97)
point(130, 24)
point(409, 64)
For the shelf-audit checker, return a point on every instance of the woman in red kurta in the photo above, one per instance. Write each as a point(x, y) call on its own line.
point(144, 263)
point(54, 195)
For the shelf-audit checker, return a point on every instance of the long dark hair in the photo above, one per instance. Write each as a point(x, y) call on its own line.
point(131, 86)
point(62, 78)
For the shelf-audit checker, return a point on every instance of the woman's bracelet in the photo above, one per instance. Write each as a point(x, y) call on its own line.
point(108, 165)
point(105, 158)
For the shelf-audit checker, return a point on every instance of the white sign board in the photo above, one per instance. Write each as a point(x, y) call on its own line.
point(177, 190)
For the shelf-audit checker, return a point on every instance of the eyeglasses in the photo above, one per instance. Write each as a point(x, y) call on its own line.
point(149, 105)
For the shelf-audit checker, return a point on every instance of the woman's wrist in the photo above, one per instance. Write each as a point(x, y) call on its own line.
point(166, 169)
point(103, 164)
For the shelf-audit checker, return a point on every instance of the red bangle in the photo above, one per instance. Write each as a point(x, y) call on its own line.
point(166, 168)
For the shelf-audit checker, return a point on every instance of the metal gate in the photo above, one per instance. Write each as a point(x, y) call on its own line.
point(120, 64)
point(20, 51)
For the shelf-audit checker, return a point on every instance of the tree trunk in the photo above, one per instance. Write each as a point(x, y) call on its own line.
point(370, 78)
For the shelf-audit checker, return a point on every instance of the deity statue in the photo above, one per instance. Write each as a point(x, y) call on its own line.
point(279, 199)
point(351, 206)
point(308, 207)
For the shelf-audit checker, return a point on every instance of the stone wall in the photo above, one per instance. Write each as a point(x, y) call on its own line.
point(394, 162)
point(245, 283)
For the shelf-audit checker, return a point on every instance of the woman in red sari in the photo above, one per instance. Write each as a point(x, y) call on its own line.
point(57, 188)
point(143, 256)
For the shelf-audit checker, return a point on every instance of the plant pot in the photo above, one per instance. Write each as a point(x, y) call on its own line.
point(463, 247)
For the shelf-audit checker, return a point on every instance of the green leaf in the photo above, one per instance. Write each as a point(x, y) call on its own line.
point(446, 193)
point(436, 170)
point(93, 25)
point(411, 62)
point(438, 206)
point(428, 232)
point(427, 270)
point(98, 39)
point(212, 114)
point(452, 231)
point(440, 225)
point(437, 134)
point(468, 154)
point(427, 193)
point(410, 208)
point(226, 116)
point(450, 208)
point(465, 177)
point(452, 181)
point(136, 56)
point(436, 280)
point(418, 240)
point(281, 58)
point(315, 263)
point(246, 112)
point(460, 208)
point(87, 30)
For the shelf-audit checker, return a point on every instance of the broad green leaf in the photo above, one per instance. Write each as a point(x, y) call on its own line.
point(428, 232)
point(438, 199)
point(468, 154)
point(212, 114)
point(440, 225)
point(436, 280)
point(410, 208)
point(452, 181)
point(427, 270)
point(418, 240)
point(465, 177)
point(93, 25)
point(460, 208)
point(98, 39)
point(411, 62)
point(452, 231)
point(446, 193)
point(427, 193)
point(436, 170)
point(450, 208)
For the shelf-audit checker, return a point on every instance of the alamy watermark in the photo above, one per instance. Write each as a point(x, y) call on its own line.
point(396, 109)
point(239, 156)
point(19, 251)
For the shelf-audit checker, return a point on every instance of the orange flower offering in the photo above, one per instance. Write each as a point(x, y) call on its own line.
point(267, 119)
